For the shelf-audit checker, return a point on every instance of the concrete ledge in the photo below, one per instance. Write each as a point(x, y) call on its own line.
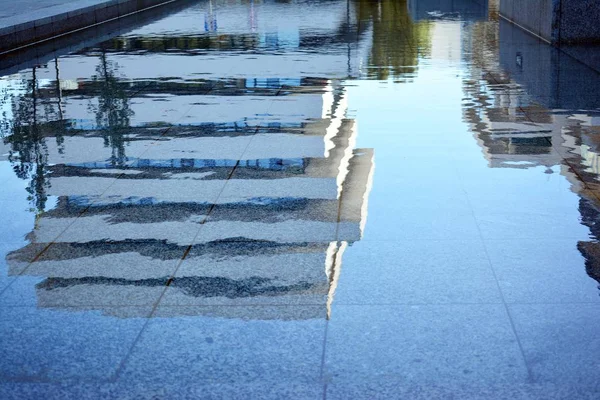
point(45, 51)
point(556, 21)
point(44, 26)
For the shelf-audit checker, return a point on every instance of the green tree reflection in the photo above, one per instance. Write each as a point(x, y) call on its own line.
point(398, 42)
point(28, 153)
point(37, 115)
point(112, 110)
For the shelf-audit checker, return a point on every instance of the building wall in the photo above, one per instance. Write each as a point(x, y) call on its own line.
point(556, 21)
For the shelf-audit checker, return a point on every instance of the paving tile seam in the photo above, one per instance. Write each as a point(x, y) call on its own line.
point(114, 377)
point(339, 304)
point(201, 223)
point(90, 205)
point(32, 380)
point(448, 305)
point(211, 208)
point(324, 352)
point(122, 365)
point(230, 175)
point(163, 293)
point(447, 238)
point(124, 361)
point(530, 375)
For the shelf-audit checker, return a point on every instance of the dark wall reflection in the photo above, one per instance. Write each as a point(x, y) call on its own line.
point(533, 106)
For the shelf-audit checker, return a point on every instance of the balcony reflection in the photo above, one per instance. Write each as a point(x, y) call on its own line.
point(236, 181)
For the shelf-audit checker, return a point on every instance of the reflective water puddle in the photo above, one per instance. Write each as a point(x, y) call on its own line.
point(351, 199)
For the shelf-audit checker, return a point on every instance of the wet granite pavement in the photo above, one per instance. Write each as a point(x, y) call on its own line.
point(310, 199)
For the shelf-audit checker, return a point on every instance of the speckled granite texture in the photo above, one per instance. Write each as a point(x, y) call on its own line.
point(556, 21)
point(579, 21)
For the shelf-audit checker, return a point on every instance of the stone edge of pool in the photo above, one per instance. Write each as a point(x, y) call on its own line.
point(51, 24)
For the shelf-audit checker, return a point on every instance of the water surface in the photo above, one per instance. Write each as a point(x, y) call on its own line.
point(303, 199)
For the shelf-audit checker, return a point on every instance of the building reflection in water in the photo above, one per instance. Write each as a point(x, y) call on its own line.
point(237, 185)
point(239, 181)
point(532, 106)
point(463, 10)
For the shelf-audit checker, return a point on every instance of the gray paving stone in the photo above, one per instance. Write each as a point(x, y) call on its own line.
point(397, 389)
point(211, 349)
point(5, 277)
point(54, 346)
point(541, 271)
point(416, 272)
point(423, 345)
point(20, 292)
point(250, 312)
point(131, 390)
point(524, 225)
point(94, 293)
point(389, 223)
point(560, 341)
point(92, 275)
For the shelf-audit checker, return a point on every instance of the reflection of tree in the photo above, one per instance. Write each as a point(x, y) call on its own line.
point(397, 40)
point(28, 153)
point(35, 114)
point(112, 110)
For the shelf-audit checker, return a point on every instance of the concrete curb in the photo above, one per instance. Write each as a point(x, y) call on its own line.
point(38, 30)
point(28, 56)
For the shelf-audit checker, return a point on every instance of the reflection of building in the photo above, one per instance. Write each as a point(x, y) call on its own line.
point(283, 37)
point(279, 32)
point(522, 118)
point(514, 134)
point(210, 18)
point(512, 116)
point(466, 10)
point(277, 228)
point(447, 40)
point(258, 185)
